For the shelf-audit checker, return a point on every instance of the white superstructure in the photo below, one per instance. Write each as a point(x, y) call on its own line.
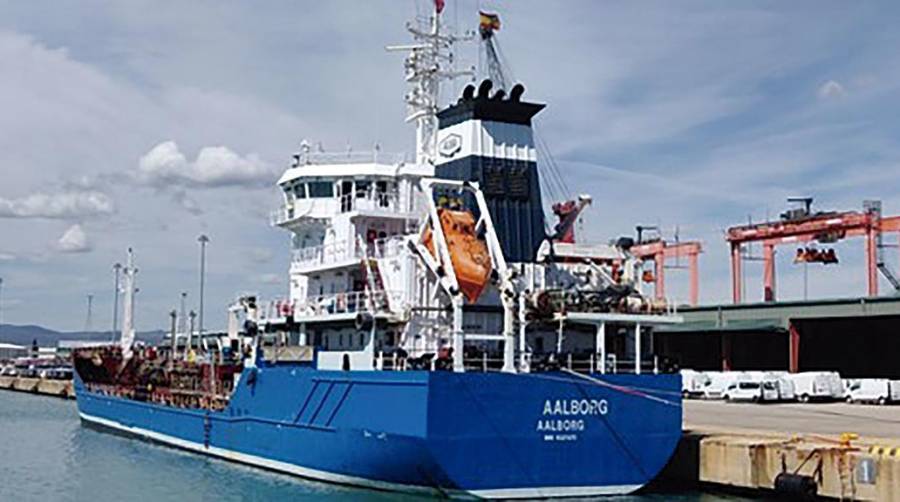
point(368, 293)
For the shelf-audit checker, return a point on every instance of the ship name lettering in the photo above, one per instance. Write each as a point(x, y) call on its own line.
point(575, 407)
point(560, 425)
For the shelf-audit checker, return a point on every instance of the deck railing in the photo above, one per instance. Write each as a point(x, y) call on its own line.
point(372, 201)
point(347, 250)
point(349, 302)
point(486, 361)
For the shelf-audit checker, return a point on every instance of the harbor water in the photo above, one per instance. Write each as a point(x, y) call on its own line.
point(47, 455)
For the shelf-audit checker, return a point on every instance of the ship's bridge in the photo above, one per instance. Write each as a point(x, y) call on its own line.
point(315, 193)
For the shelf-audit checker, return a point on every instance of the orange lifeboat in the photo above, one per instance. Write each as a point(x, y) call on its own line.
point(469, 254)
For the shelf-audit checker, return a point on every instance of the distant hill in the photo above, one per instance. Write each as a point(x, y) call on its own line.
point(26, 334)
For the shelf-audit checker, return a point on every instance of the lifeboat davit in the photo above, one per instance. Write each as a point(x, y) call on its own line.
point(469, 254)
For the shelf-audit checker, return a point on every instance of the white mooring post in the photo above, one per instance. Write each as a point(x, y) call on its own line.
point(601, 345)
point(637, 348)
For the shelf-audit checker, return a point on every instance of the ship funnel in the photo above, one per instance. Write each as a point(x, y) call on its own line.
point(488, 139)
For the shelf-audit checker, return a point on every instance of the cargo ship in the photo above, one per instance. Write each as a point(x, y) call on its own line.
point(438, 336)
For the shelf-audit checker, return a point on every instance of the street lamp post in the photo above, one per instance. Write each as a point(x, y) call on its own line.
point(115, 325)
point(1, 305)
point(203, 239)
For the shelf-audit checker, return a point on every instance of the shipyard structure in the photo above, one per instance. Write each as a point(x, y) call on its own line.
point(853, 335)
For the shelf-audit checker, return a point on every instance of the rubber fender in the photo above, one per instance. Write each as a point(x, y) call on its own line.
point(796, 484)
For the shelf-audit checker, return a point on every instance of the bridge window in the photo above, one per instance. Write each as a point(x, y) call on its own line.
point(321, 189)
point(300, 190)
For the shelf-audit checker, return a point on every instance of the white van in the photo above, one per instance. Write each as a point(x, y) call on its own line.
point(817, 385)
point(873, 390)
point(693, 383)
point(786, 391)
point(752, 386)
point(717, 382)
point(777, 380)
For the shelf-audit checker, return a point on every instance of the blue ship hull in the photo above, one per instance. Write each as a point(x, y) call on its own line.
point(489, 435)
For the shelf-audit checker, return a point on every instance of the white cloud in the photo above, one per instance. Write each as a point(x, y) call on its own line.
point(7, 257)
point(74, 240)
point(63, 205)
point(831, 90)
point(215, 166)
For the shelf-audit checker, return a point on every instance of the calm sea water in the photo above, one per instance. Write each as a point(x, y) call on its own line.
point(47, 455)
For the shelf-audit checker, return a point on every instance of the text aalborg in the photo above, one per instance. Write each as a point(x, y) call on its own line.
point(567, 415)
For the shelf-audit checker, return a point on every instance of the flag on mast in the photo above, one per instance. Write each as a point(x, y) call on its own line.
point(489, 21)
point(439, 6)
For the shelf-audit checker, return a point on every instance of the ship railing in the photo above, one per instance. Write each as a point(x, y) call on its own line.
point(381, 202)
point(302, 208)
point(354, 157)
point(593, 363)
point(372, 201)
point(488, 361)
point(349, 302)
point(347, 250)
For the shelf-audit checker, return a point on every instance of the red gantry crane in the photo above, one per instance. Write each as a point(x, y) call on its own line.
point(659, 250)
point(800, 226)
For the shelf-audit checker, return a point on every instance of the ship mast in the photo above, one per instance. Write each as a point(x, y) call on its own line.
point(430, 61)
point(128, 273)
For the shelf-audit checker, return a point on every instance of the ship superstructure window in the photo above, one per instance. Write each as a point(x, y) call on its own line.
point(382, 193)
point(362, 189)
point(300, 190)
point(321, 189)
point(346, 194)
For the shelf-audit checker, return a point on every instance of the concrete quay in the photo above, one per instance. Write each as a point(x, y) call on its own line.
point(850, 452)
point(57, 388)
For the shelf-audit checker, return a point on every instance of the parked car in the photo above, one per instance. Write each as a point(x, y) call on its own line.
point(693, 383)
point(873, 390)
point(9, 371)
point(817, 385)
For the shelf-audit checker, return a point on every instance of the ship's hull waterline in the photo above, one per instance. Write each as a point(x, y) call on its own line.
point(483, 435)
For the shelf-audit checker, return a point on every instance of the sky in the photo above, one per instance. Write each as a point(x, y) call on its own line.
point(146, 124)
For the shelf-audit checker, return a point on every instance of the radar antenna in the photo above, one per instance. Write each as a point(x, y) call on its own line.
point(430, 61)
